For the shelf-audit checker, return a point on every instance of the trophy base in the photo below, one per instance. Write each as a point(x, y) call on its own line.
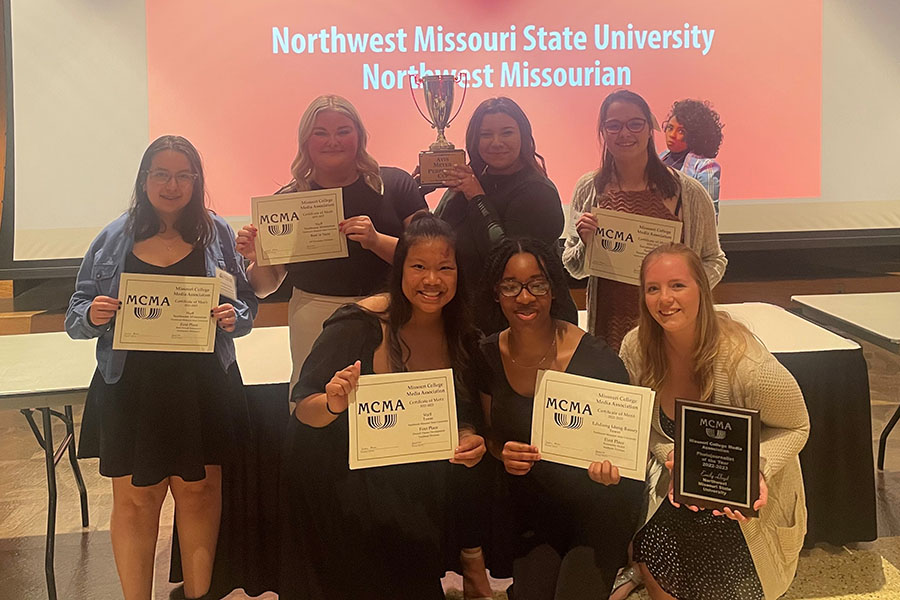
point(433, 163)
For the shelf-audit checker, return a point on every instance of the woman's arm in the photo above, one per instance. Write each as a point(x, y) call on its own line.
point(320, 410)
point(705, 234)
point(574, 251)
point(263, 279)
point(78, 322)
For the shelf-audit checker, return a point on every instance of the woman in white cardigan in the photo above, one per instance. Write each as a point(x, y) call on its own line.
point(683, 348)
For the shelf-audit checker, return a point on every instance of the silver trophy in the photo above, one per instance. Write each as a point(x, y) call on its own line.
point(441, 154)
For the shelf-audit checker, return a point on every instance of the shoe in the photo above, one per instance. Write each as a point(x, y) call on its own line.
point(628, 580)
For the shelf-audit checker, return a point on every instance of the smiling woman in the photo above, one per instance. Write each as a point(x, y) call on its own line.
point(340, 515)
point(503, 193)
point(632, 179)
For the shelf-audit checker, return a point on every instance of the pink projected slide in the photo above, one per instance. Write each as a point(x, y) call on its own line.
point(235, 77)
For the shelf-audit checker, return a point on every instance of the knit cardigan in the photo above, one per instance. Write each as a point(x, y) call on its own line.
point(758, 382)
point(698, 216)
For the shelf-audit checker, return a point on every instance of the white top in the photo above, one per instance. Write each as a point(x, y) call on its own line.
point(876, 313)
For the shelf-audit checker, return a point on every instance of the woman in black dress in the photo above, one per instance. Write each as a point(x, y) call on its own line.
point(378, 532)
point(163, 421)
point(503, 192)
point(569, 532)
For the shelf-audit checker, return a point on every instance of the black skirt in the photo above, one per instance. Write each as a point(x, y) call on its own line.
point(170, 414)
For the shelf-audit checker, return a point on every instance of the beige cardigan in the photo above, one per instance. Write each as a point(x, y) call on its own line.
point(698, 216)
point(758, 382)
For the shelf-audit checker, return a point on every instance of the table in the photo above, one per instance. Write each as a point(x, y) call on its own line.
point(43, 372)
point(872, 317)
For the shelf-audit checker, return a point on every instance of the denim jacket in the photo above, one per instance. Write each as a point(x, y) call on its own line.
point(99, 276)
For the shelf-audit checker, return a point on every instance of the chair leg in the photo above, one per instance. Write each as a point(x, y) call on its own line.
point(51, 504)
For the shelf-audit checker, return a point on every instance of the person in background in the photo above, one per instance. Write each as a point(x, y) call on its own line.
point(684, 348)
point(163, 421)
point(570, 528)
point(379, 533)
point(693, 137)
point(503, 192)
point(378, 204)
point(632, 179)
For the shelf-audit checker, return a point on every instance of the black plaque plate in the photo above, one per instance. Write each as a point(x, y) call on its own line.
point(716, 456)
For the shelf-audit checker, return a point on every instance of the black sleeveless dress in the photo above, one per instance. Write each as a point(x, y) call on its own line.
point(170, 413)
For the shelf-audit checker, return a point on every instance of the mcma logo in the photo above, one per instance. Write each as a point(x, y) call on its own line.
point(279, 223)
point(568, 413)
point(148, 307)
point(382, 413)
point(715, 429)
point(613, 240)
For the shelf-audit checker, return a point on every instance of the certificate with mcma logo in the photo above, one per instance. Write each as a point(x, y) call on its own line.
point(166, 313)
point(299, 227)
point(402, 418)
point(623, 240)
point(579, 420)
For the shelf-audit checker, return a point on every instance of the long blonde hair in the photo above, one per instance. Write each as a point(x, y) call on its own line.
point(302, 166)
point(716, 333)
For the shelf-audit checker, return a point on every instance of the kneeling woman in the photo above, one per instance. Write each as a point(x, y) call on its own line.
point(683, 348)
point(570, 534)
point(378, 533)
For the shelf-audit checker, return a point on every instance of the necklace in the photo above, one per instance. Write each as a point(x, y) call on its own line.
point(538, 363)
point(169, 243)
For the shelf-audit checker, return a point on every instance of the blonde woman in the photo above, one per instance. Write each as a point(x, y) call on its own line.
point(683, 348)
point(378, 203)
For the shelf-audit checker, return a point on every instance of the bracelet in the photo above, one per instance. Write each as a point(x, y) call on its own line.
point(328, 408)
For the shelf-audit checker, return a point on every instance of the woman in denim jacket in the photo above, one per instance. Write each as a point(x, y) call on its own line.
point(162, 421)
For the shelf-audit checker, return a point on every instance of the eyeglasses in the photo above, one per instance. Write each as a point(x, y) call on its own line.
point(511, 288)
point(162, 177)
point(635, 125)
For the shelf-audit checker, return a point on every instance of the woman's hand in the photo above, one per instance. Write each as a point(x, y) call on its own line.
point(102, 310)
point(360, 229)
point(670, 463)
point(337, 391)
point(245, 242)
point(423, 189)
point(470, 450)
point(462, 179)
point(518, 457)
point(225, 316)
point(586, 226)
point(735, 515)
point(604, 472)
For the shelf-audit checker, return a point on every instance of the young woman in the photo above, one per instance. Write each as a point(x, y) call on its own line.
point(569, 532)
point(632, 179)
point(163, 421)
point(502, 193)
point(683, 348)
point(693, 136)
point(379, 533)
point(378, 204)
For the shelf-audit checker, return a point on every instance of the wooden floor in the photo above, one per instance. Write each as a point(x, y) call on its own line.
point(85, 567)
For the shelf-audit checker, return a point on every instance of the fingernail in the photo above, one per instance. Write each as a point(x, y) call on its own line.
point(210, 312)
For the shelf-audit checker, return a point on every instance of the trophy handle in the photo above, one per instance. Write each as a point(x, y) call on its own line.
point(416, 79)
point(461, 77)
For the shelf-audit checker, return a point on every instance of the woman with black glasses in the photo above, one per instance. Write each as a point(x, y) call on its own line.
point(632, 179)
point(569, 528)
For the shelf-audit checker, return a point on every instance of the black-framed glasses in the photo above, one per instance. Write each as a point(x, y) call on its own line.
point(511, 288)
point(635, 125)
point(162, 177)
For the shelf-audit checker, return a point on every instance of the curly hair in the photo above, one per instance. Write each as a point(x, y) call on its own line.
point(702, 127)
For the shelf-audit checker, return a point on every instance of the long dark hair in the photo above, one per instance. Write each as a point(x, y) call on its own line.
point(457, 325)
point(658, 175)
point(549, 263)
point(194, 224)
point(528, 155)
